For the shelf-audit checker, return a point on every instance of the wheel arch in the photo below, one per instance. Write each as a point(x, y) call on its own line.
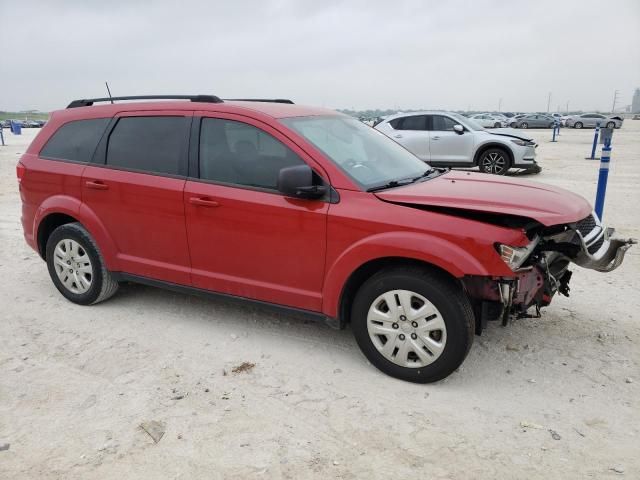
point(347, 272)
point(492, 144)
point(60, 210)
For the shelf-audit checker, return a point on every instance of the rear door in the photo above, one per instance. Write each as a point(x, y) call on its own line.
point(447, 147)
point(245, 237)
point(411, 132)
point(135, 187)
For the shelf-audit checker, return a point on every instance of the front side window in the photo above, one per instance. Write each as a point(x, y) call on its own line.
point(365, 154)
point(442, 123)
point(75, 141)
point(148, 144)
point(241, 154)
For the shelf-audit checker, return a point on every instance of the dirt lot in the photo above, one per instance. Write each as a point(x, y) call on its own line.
point(77, 382)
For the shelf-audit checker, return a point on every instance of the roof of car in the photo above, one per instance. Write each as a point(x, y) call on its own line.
point(420, 112)
point(271, 109)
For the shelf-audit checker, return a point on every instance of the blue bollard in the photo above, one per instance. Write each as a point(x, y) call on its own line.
point(595, 142)
point(554, 132)
point(1, 136)
point(603, 176)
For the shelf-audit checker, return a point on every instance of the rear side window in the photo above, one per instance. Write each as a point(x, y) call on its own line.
point(149, 144)
point(414, 122)
point(75, 141)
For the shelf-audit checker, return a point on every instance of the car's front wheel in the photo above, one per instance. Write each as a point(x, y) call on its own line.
point(611, 125)
point(413, 324)
point(577, 125)
point(496, 125)
point(76, 266)
point(494, 161)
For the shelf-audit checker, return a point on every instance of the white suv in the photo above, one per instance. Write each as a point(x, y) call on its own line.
point(451, 140)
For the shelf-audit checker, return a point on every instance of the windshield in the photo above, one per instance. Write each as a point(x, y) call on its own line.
point(368, 156)
point(470, 123)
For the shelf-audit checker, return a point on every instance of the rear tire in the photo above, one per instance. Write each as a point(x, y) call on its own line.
point(524, 125)
point(496, 125)
point(577, 125)
point(434, 303)
point(76, 266)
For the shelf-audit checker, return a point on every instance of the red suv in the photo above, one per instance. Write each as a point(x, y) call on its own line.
point(301, 208)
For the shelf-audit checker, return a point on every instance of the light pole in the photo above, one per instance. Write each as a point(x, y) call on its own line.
point(548, 102)
point(499, 105)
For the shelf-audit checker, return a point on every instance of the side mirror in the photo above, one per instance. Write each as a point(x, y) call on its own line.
point(459, 129)
point(297, 181)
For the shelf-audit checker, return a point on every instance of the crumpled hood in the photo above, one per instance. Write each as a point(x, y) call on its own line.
point(510, 132)
point(488, 193)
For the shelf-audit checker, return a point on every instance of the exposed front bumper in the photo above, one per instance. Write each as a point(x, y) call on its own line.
point(608, 257)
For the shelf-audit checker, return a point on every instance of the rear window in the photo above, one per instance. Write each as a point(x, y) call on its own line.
point(149, 144)
point(414, 122)
point(75, 141)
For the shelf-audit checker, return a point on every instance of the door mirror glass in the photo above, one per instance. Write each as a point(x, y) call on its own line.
point(459, 129)
point(297, 181)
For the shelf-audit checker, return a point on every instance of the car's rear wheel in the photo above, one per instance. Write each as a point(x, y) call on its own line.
point(513, 124)
point(494, 161)
point(611, 125)
point(524, 125)
point(413, 324)
point(577, 125)
point(496, 125)
point(76, 266)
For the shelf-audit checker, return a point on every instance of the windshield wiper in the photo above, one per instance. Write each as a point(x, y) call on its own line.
point(402, 181)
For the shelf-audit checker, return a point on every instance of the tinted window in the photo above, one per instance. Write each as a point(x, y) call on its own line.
point(415, 122)
point(148, 144)
point(441, 123)
point(75, 141)
point(237, 153)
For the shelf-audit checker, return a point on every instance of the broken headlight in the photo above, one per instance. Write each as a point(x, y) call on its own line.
point(514, 257)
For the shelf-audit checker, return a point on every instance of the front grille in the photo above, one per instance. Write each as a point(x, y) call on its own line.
point(594, 247)
point(586, 225)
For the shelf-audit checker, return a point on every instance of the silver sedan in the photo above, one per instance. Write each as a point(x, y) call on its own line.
point(591, 119)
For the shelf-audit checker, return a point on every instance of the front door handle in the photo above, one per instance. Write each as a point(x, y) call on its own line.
point(435, 138)
point(203, 202)
point(96, 185)
point(397, 136)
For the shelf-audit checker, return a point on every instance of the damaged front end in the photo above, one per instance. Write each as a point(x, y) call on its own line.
point(541, 269)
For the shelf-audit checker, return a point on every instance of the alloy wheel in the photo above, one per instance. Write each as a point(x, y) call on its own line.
point(494, 162)
point(73, 266)
point(406, 328)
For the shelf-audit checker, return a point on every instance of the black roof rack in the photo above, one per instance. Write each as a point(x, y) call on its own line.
point(87, 102)
point(267, 100)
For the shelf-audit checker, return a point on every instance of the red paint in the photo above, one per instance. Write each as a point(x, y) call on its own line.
point(266, 246)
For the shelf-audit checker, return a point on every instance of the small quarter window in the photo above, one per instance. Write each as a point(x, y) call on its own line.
point(75, 141)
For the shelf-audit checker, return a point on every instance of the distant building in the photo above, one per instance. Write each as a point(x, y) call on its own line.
point(635, 103)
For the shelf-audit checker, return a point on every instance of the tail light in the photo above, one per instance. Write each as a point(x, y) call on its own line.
point(20, 171)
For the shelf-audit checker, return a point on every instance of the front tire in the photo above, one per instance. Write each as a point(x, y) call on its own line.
point(577, 125)
point(494, 161)
point(524, 125)
point(76, 266)
point(413, 323)
point(611, 125)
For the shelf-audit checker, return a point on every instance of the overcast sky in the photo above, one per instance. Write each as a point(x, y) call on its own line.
point(339, 54)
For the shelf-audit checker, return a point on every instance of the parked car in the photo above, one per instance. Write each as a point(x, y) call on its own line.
point(535, 121)
point(592, 119)
point(304, 209)
point(513, 121)
point(488, 121)
point(451, 140)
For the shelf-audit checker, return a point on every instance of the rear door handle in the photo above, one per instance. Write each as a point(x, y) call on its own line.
point(97, 185)
point(435, 138)
point(397, 136)
point(203, 202)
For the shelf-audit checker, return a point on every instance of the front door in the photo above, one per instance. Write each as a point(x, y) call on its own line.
point(447, 147)
point(245, 238)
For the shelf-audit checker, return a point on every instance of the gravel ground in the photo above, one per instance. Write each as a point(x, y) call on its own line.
point(555, 397)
